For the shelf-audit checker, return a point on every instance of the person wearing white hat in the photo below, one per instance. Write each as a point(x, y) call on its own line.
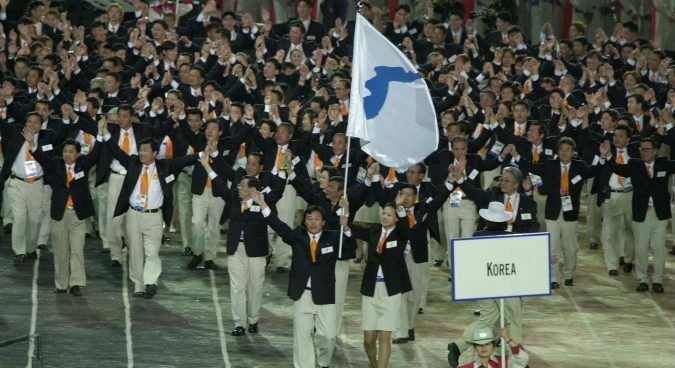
point(496, 218)
point(483, 341)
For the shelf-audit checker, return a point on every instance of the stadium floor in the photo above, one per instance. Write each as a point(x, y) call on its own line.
point(601, 321)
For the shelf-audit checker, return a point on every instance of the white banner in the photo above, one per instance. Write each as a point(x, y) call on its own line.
point(501, 266)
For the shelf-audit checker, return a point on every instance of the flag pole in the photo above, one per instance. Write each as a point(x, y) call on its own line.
point(359, 6)
point(501, 324)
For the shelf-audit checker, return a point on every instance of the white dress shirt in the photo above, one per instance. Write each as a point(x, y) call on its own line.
point(155, 197)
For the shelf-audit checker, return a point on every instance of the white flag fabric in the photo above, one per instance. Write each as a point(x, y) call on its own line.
point(390, 106)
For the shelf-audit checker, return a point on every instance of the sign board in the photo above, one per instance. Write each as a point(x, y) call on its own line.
point(503, 266)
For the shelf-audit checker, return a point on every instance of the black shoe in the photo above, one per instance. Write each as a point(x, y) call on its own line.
point(628, 268)
point(400, 340)
point(138, 294)
point(76, 290)
point(453, 354)
point(438, 263)
point(555, 285)
point(187, 252)
point(238, 331)
point(420, 311)
point(672, 250)
point(450, 279)
point(105, 251)
point(476, 313)
point(281, 269)
point(253, 328)
point(621, 261)
point(195, 261)
point(165, 239)
point(569, 282)
point(150, 291)
point(593, 246)
point(19, 259)
point(43, 247)
point(115, 263)
point(657, 288)
point(31, 255)
point(8, 229)
point(642, 287)
point(209, 265)
point(613, 273)
point(60, 291)
point(411, 334)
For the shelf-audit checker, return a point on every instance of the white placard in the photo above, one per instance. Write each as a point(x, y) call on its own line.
point(501, 266)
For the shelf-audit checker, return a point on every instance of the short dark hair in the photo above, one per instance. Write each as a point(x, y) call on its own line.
point(154, 145)
point(312, 209)
point(543, 127)
point(337, 179)
point(253, 182)
point(33, 113)
point(612, 113)
point(72, 142)
point(625, 128)
point(654, 142)
point(194, 111)
point(521, 102)
point(407, 186)
point(332, 171)
point(127, 108)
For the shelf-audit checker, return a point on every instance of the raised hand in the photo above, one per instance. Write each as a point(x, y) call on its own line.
point(28, 136)
point(605, 150)
point(527, 183)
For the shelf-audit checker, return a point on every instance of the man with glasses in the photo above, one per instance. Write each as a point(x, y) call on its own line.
point(512, 192)
point(651, 208)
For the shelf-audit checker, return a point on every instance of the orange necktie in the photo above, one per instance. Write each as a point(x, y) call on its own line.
point(619, 160)
point(535, 155)
point(411, 219)
point(125, 143)
point(336, 162)
point(245, 207)
point(519, 131)
point(169, 148)
point(280, 156)
point(344, 110)
point(380, 244)
point(312, 248)
point(455, 39)
point(69, 178)
point(145, 184)
point(509, 208)
point(564, 182)
point(29, 157)
point(649, 172)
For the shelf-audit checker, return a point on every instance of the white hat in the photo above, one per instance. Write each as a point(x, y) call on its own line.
point(482, 336)
point(496, 212)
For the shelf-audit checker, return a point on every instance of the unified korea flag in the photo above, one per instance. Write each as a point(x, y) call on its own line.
point(390, 105)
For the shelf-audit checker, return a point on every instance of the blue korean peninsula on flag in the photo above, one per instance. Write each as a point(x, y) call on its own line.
point(390, 105)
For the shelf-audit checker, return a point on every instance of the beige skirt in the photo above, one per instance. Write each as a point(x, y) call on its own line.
point(370, 215)
point(381, 311)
